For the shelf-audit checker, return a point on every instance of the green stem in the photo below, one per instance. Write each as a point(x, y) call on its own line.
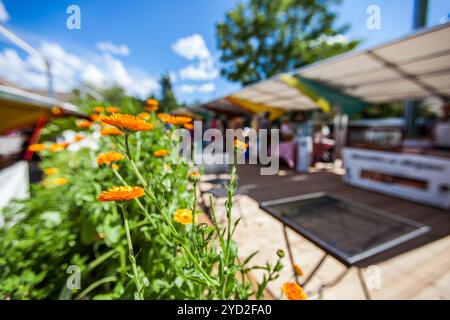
point(137, 279)
point(95, 285)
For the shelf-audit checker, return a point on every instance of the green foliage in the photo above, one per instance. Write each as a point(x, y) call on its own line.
point(168, 101)
point(380, 111)
point(265, 37)
point(64, 224)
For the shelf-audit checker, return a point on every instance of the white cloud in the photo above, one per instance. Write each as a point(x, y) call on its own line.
point(203, 88)
point(191, 47)
point(203, 70)
point(69, 70)
point(109, 47)
point(4, 16)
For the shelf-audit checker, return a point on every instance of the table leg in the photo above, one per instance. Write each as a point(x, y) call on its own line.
point(364, 285)
point(333, 283)
point(316, 268)
point(291, 256)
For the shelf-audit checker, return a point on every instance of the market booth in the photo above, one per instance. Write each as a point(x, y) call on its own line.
point(23, 115)
point(376, 155)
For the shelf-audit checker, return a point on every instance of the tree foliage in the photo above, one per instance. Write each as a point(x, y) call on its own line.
point(168, 101)
point(265, 37)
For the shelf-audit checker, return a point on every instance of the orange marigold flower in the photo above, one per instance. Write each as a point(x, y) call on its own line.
point(115, 167)
point(144, 116)
point(78, 137)
point(127, 122)
point(240, 145)
point(188, 126)
point(151, 108)
point(57, 111)
point(121, 193)
point(112, 109)
point(60, 181)
point(94, 117)
point(84, 124)
point(99, 109)
point(51, 171)
point(37, 147)
point(293, 291)
point(298, 270)
point(56, 147)
point(108, 157)
point(152, 102)
point(161, 153)
point(167, 118)
point(183, 216)
point(111, 131)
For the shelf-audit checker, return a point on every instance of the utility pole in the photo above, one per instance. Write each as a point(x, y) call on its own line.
point(412, 107)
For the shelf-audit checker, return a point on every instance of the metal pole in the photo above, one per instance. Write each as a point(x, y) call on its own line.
point(50, 90)
point(412, 107)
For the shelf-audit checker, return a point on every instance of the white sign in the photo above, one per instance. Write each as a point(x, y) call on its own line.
point(421, 178)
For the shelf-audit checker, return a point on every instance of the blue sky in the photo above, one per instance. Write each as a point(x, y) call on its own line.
point(132, 42)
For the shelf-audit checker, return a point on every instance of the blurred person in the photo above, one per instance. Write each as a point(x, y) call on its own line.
point(441, 130)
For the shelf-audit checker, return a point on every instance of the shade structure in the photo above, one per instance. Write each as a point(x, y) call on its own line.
point(19, 108)
point(413, 67)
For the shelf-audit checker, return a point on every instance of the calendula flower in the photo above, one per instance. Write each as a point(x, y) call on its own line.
point(298, 270)
point(293, 291)
point(111, 131)
point(78, 137)
point(56, 147)
point(115, 166)
point(151, 105)
point(98, 109)
point(127, 122)
point(112, 109)
point(176, 120)
point(240, 145)
point(108, 157)
point(84, 124)
point(94, 117)
point(188, 126)
point(60, 181)
point(57, 111)
point(183, 216)
point(161, 153)
point(37, 147)
point(194, 177)
point(51, 171)
point(121, 193)
point(144, 116)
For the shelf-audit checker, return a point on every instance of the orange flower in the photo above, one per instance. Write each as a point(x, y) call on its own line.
point(183, 216)
point(108, 157)
point(113, 109)
point(60, 181)
point(121, 193)
point(161, 153)
point(167, 118)
point(127, 122)
point(115, 167)
point(151, 105)
point(144, 116)
point(194, 177)
point(36, 147)
point(99, 109)
point(293, 291)
point(56, 147)
point(240, 145)
point(152, 102)
point(188, 126)
point(51, 171)
point(78, 137)
point(57, 111)
point(298, 270)
point(84, 124)
point(111, 131)
point(94, 116)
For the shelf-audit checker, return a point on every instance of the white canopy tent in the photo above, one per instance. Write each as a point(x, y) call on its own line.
point(414, 67)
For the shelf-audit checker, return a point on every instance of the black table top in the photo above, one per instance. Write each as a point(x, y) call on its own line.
point(349, 231)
